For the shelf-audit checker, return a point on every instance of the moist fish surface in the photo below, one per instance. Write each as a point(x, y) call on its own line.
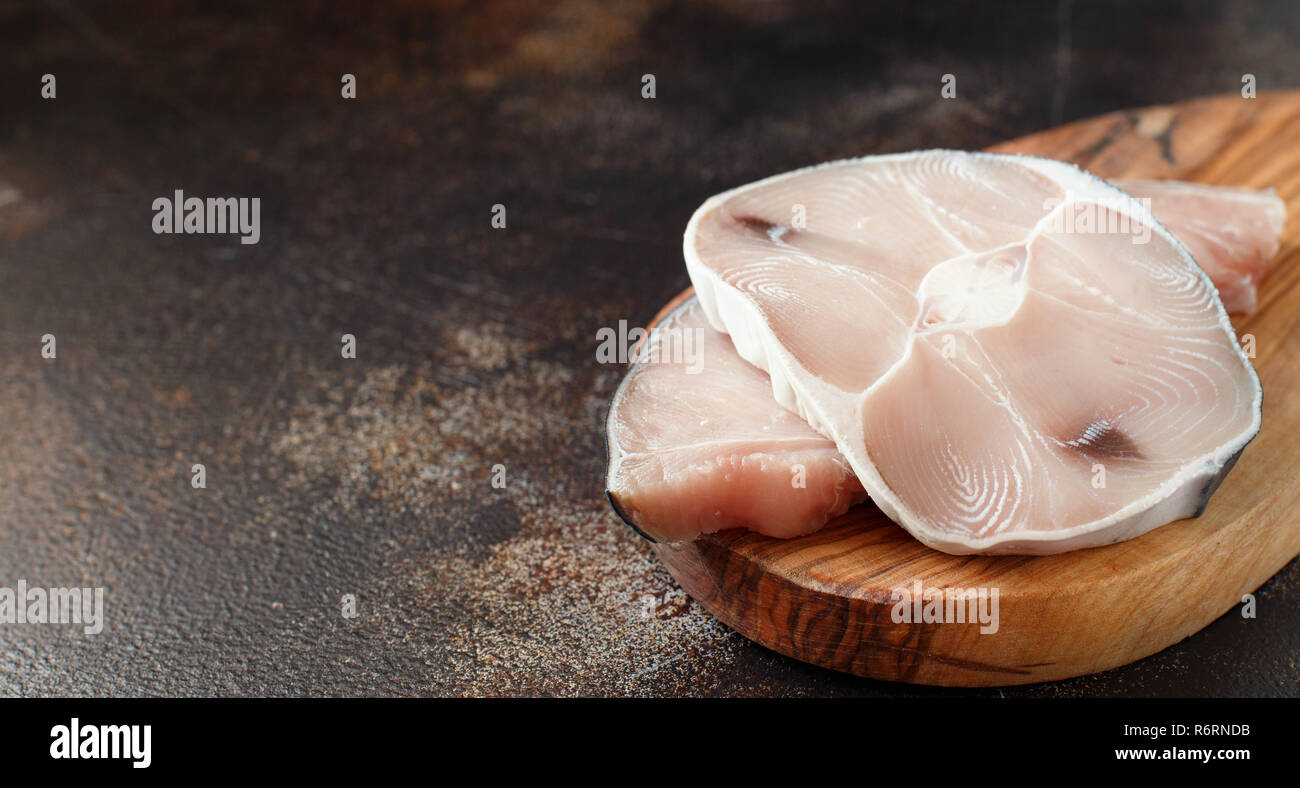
point(666, 483)
point(697, 444)
point(998, 383)
point(1233, 234)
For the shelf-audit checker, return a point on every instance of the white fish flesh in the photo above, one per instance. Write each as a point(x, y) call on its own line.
point(1233, 234)
point(998, 383)
point(697, 444)
point(665, 482)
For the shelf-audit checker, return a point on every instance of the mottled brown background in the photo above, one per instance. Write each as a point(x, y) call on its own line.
point(476, 346)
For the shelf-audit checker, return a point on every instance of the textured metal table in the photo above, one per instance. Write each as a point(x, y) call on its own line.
point(476, 346)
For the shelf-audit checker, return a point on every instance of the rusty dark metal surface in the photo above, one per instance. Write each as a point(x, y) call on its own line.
point(475, 346)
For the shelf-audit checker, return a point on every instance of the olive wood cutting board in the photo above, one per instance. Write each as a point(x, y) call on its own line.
point(826, 598)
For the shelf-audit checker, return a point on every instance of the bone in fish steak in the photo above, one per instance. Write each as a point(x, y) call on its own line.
point(664, 464)
point(999, 382)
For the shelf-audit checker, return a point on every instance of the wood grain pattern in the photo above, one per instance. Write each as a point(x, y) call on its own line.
point(825, 598)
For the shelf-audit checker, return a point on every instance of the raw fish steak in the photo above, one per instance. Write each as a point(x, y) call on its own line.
point(1000, 380)
point(697, 444)
point(666, 482)
point(1233, 234)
